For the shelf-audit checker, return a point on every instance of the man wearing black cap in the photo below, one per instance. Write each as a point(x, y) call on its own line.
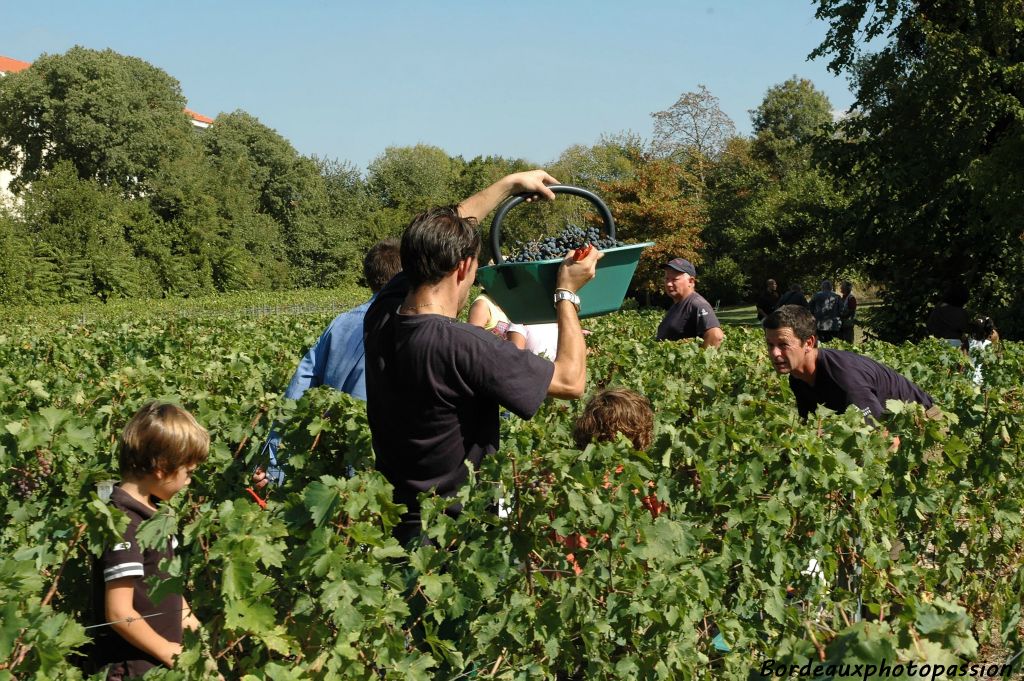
point(690, 315)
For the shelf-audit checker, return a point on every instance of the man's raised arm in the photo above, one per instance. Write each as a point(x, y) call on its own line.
point(483, 202)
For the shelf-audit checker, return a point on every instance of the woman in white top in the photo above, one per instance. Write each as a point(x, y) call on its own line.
point(540, 339)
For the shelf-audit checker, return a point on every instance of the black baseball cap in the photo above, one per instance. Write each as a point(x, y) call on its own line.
point(682, 265)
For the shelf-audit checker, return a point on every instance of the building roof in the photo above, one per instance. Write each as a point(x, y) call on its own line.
point(198, 117)
point(8, 65)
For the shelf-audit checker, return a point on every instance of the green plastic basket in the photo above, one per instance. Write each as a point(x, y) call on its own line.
point(525, 290)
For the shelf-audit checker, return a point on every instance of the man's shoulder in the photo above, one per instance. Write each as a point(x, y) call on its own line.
point(841, 361)
point(697, 299)
point(700, 306)
point(353, 314)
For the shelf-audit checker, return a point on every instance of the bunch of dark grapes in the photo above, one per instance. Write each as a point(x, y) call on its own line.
point(555, 247)
point(31, 477)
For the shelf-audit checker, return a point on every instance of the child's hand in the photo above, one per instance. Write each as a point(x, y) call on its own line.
point(260, 479)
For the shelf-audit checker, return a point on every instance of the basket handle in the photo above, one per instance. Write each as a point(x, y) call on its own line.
point(509, 204)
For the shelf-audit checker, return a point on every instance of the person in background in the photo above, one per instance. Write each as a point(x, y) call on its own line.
point(978, 343)
point(486, 314)
point(768, 300)
point(794, 296)
point(825, 306)
point(847, 312)
point(157, 452)
point(691, 316)
point(337, 359)
point(949, 320)
point(435, 385)
point(540, 339)
point(834, 378)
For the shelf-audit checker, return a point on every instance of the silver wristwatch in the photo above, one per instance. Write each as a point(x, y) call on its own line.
point(563, 294)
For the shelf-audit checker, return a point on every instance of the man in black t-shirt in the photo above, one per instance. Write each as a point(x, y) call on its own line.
point(834, 378)
point(434, 385)
point(690, 315)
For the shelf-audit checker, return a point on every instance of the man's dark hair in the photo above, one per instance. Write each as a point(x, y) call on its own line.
point(435, 242)
point(382, 261)
point(796, 317)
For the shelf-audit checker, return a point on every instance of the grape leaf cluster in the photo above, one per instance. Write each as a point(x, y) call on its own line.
point(555, 247)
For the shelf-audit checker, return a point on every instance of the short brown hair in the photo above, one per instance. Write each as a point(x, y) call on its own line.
point(161, 437)
point(382, 262)
point(795, 317)
point(612, 411)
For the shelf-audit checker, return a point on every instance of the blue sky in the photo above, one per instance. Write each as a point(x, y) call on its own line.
point(527, 79)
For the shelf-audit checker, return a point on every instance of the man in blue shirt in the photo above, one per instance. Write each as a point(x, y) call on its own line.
point(338, 358)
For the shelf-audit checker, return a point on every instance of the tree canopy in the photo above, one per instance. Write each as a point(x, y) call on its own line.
point(117, 119)
point(930, 154)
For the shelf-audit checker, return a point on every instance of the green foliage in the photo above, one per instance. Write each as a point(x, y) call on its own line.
point(786, 123)
point(774, 213)
point(115, 118)
point(929, 154)
point(658, 203)
point(578, 578)
point(413, 179)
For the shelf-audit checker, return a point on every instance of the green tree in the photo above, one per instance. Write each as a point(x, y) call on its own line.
point(403, 181)
point(116, 119)
point(83, 224)
point(609, 160)
point(789, 119)
point(414, 178)
point(276, 203)
point(772, 211)
point(657, 204)
point(931, 154)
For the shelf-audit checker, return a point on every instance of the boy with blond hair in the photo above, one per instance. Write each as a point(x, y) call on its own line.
point(158, 450)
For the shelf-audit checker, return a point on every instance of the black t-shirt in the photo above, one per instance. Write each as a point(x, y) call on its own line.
point(433, 389)
point(842, 378)
point(792, 298)
point(691, 317)
point(128, 559)
point(948, 321)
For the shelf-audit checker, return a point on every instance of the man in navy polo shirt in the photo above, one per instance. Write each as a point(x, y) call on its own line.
point(690, 315)
point(834, 378)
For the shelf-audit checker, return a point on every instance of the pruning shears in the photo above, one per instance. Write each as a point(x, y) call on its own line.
point(260, 501)
point(582, 252)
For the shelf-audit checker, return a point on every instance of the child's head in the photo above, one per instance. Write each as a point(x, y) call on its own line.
point(982, 329)
point(160, 440)
point(616, 410)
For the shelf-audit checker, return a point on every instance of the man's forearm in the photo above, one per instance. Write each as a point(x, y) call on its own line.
point(480, 205)
point(483, 202)
point(570, 377)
